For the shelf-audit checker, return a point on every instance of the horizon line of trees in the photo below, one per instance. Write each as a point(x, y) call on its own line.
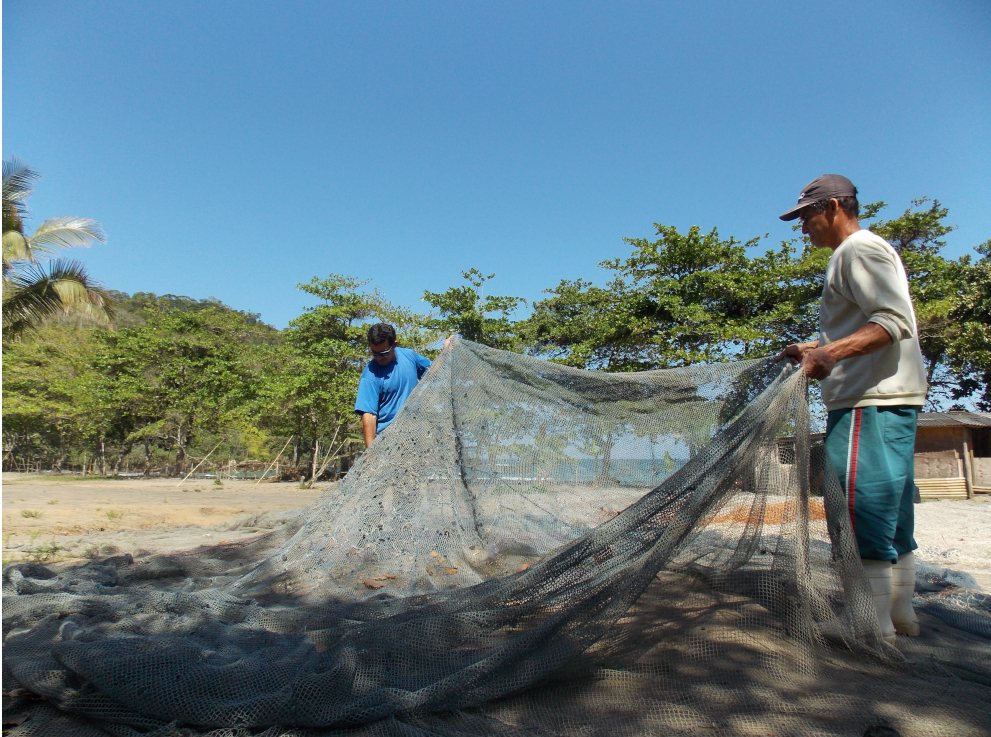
point(174, 379)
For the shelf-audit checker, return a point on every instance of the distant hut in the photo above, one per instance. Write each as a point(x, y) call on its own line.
point(953, 454)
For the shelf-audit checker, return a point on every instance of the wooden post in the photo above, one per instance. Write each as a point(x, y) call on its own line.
point(274, 463)
point(199, 464)
point(967, 465)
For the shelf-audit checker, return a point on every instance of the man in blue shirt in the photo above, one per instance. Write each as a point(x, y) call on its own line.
point(388, 379)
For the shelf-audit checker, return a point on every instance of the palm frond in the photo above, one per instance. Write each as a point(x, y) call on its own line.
point(34, 293)
point(18, 184)
point(64, 232)
point(15, 248)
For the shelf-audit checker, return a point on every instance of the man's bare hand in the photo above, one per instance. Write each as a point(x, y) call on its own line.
point(796, 352)
point(818, 363)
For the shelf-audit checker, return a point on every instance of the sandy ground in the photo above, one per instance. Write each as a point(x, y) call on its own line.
point(956, 534)
point(67, 517)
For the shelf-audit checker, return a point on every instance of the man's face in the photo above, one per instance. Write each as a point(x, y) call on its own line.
point(384, 353)
point(815, 225)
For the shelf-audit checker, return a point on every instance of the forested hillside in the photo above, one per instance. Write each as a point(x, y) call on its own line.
point(175, 380)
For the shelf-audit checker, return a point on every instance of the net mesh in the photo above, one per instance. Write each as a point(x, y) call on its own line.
point(527, 549)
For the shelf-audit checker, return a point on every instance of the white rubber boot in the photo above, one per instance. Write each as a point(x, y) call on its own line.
point(879, 576)
point(902, 590)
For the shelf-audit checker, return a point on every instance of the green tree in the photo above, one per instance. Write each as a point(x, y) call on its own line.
point(969, 350)
point(33, 291)
point(935, 283)
point(678, 300)
point(47, 399)
point(177, 375)
point(466, 310)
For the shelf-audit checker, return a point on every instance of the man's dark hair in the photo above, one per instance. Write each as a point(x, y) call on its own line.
point(381, 332)
point(849, 204)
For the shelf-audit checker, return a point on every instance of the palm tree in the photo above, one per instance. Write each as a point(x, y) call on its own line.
point(33, 291)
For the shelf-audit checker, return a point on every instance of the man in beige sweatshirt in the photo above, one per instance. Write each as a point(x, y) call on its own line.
point(873, 381)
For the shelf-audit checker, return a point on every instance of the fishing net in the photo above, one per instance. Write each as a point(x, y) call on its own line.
point(529, 549)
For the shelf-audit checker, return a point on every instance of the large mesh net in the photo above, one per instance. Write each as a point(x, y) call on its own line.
point(529, 549)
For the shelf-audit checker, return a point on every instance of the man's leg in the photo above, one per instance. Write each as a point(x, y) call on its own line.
point(873, 485)
point(872, 480)
point(901, 426)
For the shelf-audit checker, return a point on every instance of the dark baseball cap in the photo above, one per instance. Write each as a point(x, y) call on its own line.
point(824, 188)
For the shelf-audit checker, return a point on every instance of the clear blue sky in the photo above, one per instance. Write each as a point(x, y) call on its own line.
point(232, 149)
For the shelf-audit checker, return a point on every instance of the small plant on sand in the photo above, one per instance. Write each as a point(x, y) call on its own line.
point(218, 482)
point(91, 552)
point(53, 501)
point(6, 538)
point(35, 534)
point(109, 549)
point(30, 513)
point(114, 514)
point(46, 553)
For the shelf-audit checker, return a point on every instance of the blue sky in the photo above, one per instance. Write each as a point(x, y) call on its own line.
point(232, 149)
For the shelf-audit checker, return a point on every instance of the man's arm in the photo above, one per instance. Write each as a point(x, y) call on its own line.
point(819, 362)
point(369, 423)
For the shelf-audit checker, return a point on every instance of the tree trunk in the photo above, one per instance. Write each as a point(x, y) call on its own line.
point(62, 450)
point(147, 459)
point(603, 476)
point(102, 452)
point(316, 459)
point(181, 439)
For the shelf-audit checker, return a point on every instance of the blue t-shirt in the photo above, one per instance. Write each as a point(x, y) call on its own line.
point(383, 390)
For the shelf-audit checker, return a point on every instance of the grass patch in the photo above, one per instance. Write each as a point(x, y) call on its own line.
point(46, 553)
point(53, 501)
point(114, 514)
point(30, 513)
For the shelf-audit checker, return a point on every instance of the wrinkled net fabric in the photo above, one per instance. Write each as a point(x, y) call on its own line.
point(529, 549)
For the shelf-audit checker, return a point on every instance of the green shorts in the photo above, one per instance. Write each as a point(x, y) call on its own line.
point(873, 452)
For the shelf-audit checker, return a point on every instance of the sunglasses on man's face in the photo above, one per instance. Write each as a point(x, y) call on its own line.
point(382, 353)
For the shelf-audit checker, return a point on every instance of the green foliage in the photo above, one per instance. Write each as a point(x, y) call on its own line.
point(946, 297)
point(175, 375)
point(46, 553)
point(467, 311)
point(181, 375)
point(969, 350)
point(679, 300)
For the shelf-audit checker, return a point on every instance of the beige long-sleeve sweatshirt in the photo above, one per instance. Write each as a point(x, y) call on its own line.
point(866, 282)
